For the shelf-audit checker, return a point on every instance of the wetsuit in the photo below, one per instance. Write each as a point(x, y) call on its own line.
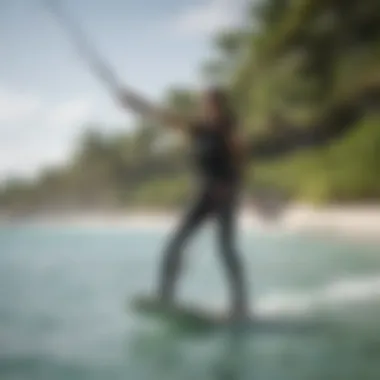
point(219, 185)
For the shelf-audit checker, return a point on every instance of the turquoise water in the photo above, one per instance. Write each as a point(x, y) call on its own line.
point(64, 307)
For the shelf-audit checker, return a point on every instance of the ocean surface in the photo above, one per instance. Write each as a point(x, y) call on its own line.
point(65, 310)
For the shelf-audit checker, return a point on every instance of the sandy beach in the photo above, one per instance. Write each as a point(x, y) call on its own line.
point(358, 222)
point(354, 222)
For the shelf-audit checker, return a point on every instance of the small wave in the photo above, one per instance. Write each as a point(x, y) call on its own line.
point(335, 294)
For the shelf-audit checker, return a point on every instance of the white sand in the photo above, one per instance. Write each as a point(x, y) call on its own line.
point(362, 222)
point(354, 221)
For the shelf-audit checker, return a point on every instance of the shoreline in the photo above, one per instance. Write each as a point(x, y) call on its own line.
point(357, 222)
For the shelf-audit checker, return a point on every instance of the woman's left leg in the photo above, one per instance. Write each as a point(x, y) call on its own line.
point(227, 220)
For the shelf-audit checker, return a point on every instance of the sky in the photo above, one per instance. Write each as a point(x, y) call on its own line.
point(48, 94)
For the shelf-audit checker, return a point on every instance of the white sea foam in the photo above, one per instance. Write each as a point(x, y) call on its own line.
point(333, 295)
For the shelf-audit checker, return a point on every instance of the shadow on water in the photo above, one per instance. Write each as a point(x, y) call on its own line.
point(171, 356)
point(229, 356)
point(338, 354)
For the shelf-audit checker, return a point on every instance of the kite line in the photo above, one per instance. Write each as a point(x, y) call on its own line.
point(85, 49)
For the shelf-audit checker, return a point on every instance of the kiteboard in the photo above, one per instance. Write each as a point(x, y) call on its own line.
point(196, 318)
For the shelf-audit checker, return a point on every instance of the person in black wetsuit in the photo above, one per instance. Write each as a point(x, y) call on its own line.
point(218, 160)
point(219, 156)
point(218, 167)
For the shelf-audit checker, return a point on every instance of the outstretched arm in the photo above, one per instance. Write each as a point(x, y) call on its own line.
point(144, 108)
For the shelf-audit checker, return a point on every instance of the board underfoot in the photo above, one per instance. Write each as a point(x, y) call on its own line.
point(197, 318)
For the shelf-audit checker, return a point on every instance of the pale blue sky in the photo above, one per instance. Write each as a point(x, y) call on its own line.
point(47, 92)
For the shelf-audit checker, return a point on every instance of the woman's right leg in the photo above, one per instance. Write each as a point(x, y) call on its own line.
point(173, 253)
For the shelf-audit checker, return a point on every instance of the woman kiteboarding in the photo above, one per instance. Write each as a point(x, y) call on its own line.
point(218, 156)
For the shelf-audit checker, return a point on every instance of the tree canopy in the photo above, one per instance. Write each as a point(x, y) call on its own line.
point(294, 63)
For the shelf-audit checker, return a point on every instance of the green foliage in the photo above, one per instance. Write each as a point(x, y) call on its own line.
point(161, 193)
point(296, 59)
point(344, 171)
